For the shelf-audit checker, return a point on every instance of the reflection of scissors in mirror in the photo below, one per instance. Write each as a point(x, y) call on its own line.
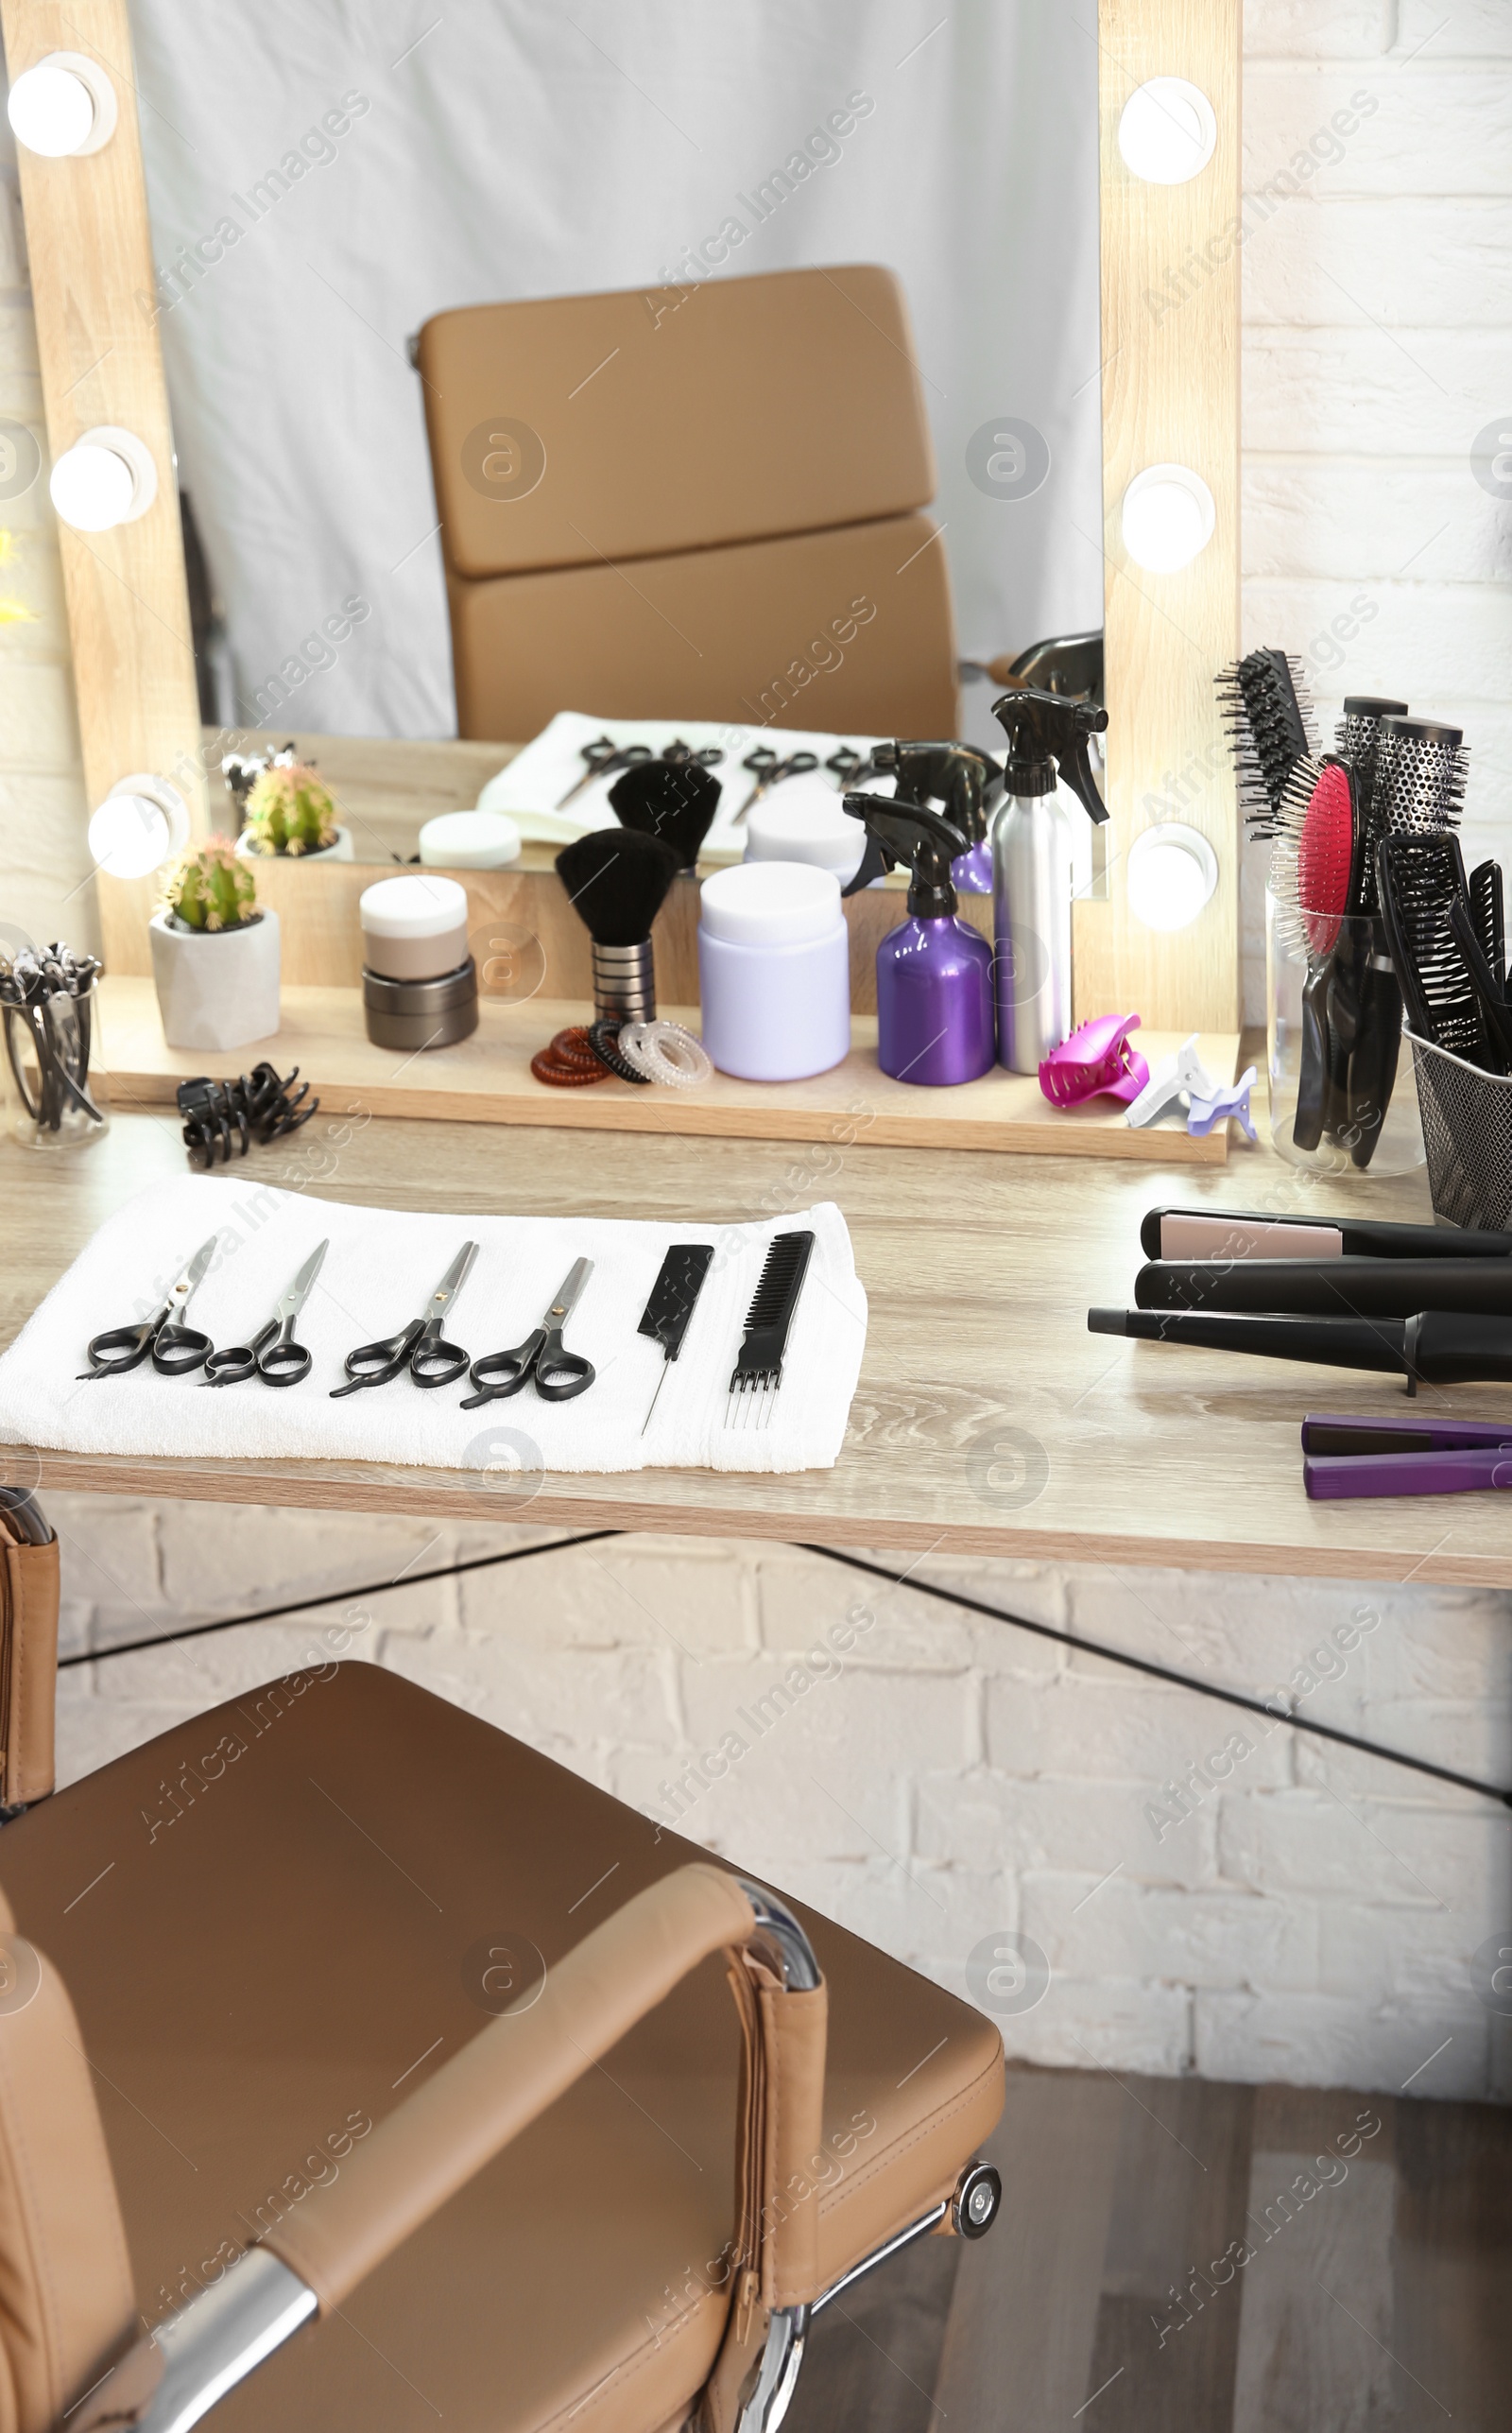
point(543, 1359)
point(175, 1347)
point(603, 755)
point(272, 1354)
point(770, 772)
point(420, 1347)
point(682, 754)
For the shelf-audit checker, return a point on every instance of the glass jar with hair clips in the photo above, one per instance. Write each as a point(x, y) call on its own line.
point(1338, 1074)
point(52, 1068)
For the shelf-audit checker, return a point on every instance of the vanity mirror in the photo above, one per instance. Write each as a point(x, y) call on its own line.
point(645, 362)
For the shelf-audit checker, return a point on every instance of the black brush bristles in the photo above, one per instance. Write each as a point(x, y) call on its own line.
point(674, 800)
point(1421, 878)
point(617, 883)
point(1269, 717)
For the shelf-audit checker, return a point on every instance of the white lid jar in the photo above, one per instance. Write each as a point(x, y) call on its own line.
point(802, 820)
point(774, 967)
point(413, 928)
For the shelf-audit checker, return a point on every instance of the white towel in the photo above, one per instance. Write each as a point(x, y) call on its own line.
point(381, 1266)
point(537, 778)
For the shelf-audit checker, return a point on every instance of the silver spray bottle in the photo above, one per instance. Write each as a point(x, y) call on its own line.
point(1032, 870)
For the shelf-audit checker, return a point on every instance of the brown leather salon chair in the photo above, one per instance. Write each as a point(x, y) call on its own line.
point(338, 2024)
point(694, 501)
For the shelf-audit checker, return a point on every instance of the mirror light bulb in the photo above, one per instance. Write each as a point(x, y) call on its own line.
point(1173, 872)
point(63, 106)
point(106, 477)
point(1167, 133)
point(1169, 517)
point(140, 821)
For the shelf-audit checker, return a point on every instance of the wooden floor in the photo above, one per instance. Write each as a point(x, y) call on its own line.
point(1176, 2256)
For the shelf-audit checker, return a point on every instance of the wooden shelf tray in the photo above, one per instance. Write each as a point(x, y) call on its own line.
point(488, 1080)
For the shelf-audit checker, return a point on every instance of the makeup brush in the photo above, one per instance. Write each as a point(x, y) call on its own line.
point(617, 882)
point(1269, 717)
point(674, 800)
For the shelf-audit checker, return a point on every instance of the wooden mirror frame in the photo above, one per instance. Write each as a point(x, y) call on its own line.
point(1170, 376)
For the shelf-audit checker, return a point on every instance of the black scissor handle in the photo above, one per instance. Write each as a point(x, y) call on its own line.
point(120, 1348)
point(436, 1362)
point(284, 1362)
point(760, 759)
point(373, 1364)
point(180, 1349)
point(236, 1362)
point(797, 763)
point(560, 1373)
point(500, 1374)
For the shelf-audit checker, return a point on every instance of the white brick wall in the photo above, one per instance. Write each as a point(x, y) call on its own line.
point(1376, 306)
point(1312, 1919)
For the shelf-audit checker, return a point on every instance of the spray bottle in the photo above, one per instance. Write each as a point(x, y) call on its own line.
point(1032, 870)
point(963, 782)
point(934, 971)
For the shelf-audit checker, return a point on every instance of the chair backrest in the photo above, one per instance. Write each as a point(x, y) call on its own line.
point(700, 502)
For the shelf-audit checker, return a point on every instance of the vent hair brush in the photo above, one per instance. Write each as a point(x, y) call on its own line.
point(1269, 717)
point(1422, 878)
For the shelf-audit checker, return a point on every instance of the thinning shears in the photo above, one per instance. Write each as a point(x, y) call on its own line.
point(769, 769)
point(420, 1347)
point(175, 1347)
point(543, 1359)
point(272, 1354)
point(603, 755)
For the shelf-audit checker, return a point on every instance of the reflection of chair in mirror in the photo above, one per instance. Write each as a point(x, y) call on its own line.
point(699, 503)
point(400, 2030)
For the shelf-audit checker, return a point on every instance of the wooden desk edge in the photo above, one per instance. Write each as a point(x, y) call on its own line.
point(444, 1495)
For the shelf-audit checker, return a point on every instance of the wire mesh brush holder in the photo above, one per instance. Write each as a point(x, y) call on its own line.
point(1466, 1120)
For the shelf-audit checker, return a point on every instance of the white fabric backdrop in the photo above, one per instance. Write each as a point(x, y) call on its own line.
point(443, 152)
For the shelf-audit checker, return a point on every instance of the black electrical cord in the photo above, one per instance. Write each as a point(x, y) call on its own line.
point(338, 1596)
point(1165, 1673)
point(854, 1562)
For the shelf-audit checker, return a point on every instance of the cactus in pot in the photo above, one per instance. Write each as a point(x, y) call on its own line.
point(289, 810)
point(208, 889)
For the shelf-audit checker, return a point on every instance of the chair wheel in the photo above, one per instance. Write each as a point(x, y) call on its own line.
point(977, 2199)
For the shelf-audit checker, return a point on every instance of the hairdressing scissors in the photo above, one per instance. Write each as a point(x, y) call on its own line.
point(175, 1347)
point(272, 1354)
point(682, 754)
point(558, 1373)
point(421, 1348)
point(602, 756)
point(769, 771)
point(842, 764)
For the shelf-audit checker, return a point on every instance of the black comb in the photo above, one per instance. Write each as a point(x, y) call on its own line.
point(1264, 701)
point(674, 1298)
point(759, 1369)
point(1421, 878)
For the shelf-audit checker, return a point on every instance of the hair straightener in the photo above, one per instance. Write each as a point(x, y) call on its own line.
point(1437, 1347)
point(1341, 1287)
point(1249, 1233)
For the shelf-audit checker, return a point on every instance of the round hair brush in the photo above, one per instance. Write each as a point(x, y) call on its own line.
point(674, 800)
point(617, 882)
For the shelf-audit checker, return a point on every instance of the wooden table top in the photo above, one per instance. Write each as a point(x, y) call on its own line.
point(988, 1421)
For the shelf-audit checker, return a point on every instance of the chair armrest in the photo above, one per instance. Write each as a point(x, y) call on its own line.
point(511, 2073)
point(506, 2078)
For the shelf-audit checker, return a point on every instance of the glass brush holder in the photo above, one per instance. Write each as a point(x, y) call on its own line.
point(1339, 1079)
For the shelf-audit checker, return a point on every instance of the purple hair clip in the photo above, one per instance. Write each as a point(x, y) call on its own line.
point(1096, 1061)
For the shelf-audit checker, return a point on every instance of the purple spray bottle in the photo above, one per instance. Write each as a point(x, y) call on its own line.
point(934, 1019)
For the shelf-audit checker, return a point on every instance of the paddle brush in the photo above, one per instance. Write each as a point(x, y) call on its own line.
point(617, 882)
point(1312, 862)
point(674, 800)
point(1269, 717)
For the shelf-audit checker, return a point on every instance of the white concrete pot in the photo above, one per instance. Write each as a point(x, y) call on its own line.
point(216, 988)
point(340, 851)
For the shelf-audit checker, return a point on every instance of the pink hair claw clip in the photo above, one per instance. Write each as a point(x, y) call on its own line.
point(1096, 1062)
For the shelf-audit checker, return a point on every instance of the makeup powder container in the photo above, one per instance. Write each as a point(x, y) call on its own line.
point(803, 822)
point(774, 971)
point(420, 985)
point(470, 840)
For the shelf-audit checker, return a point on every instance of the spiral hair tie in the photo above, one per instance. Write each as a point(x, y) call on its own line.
point(664, 1052)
